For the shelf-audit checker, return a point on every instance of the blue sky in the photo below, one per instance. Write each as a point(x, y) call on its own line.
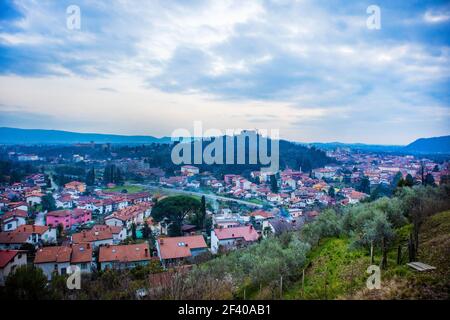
point(311, 69)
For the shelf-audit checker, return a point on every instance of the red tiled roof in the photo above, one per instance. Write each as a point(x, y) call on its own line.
point(13, 237)
point(27, 228)
point(81, 253)
point(247, 232)
point(6, 256)
point(53, 254)
point(124, 253)
point(14, 213)
point(92, 235)
point(180, 247)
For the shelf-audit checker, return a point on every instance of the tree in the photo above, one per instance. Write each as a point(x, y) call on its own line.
point(27, 283)
point(48, 203)
point(90, 177)
point(59, 230)
point(365, 185)
point(429, 180)
point(175, 210)
point(273, 184)
point(146, 231)
point(398, 176)
point(409, 180)
point(332, 192)
point(133, 231)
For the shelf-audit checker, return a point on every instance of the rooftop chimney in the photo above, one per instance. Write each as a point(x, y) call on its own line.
point(146, 252)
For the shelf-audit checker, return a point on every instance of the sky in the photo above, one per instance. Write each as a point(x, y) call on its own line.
point(310, 68)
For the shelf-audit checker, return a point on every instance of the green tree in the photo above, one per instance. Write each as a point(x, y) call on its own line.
point(90, 177)
point(133, 231)
point(146, 231)
point(273, 184)
point(332, 192)
point(365, 185)
point(429, 180)
point(48, 203)
point(175, 209)
point(409, 180)
point(27, 283)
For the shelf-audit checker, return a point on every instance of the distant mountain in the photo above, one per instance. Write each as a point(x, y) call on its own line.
point(357, 146)
point(39, 136)
point(430, 145)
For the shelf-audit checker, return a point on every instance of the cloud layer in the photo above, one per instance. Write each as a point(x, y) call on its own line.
point(310, 68)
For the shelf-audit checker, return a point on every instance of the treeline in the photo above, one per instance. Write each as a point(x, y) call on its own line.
point(291, 155)
point(11, 172)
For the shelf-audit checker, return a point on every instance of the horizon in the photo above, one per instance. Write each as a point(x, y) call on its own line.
point(281, 138)
point(158, 66)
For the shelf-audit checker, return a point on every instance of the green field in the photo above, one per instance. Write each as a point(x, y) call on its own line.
point(129, 188)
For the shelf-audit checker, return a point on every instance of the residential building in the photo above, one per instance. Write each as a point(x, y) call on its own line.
point(10, 260)
point(231, 238)
point(172, 250)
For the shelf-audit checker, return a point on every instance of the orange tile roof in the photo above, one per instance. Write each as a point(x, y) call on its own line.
point(81, 253)
point(14, 213)
point(7, 255)
point(247, 232)
point(124, 253)
point(28, 228)
point(53, 254)
point(13, 237)
point(180, 247)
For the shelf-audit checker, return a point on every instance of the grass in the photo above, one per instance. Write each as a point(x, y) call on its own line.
point(337, 272)
point(129, 188)
point(333, 270)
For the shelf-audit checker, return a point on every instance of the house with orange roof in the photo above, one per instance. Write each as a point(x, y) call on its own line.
point(75, 187)
point(11, 220)
point(58, 259)
point(175, 250)
point(124, 256)
point(10, 260)
point(231, 238)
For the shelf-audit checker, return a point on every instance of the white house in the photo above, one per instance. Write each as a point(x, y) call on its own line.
point(231, 238)
point(53, 260)
point(13, 219)
point(10, 260)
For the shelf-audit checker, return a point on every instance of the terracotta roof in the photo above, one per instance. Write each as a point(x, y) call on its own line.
point(14, 213)
point(92, 235)
point(13, 237)
point(81, 253)
point(7, 255)
point(180, 247)
point(262, 213)
point(53, 254)
point(124, 253)
point(28, 228)
point(129, 213)
point(247, 232)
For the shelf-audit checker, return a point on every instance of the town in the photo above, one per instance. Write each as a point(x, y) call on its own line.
point(100, 211)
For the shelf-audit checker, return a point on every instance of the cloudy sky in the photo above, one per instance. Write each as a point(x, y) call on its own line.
point(310, 68)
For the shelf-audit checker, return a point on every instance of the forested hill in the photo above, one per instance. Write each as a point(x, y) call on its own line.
point(430, 145)
point(43, 137)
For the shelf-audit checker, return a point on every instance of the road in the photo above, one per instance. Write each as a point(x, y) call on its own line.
point(209, 196)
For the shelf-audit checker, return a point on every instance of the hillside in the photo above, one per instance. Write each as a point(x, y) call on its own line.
point(335, 272)
point(39, 136)
point(430, 145)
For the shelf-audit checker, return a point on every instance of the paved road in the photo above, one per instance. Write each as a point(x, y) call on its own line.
point(207, 195)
